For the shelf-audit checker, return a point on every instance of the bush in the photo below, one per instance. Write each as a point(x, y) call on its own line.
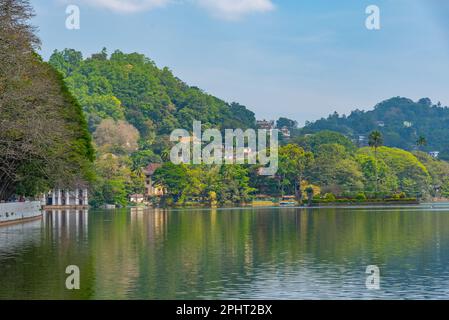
point(360, 196)
point(329, 197)
point(398, 196)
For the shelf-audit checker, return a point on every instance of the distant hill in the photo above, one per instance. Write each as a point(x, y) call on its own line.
point(401, 121)
point(131, 87)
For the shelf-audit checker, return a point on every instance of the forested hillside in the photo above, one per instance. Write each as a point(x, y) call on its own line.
point(400, 120)
point(132, 106)
point(131, 87)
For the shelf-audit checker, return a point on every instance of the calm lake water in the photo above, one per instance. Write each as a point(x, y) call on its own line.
point(229, 254)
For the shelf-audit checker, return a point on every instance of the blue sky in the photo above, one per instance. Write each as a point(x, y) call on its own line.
point(294, 58)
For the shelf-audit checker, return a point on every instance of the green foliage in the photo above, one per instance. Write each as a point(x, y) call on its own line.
point(131, 87)
point(234, 185)
point(439, 173)
point(287, 123)
point(224, 184)
point(142, 158)
point(329, 197)
point(401, 122)
point(412, 176)
point(115, 181)
point(173, 177)
point(335, 169)
point(372, 169)
point(375, 139)
point(311, 142)
point(44, 137)
point(293, 161)
point(360, 196)
point(127, 91)
point(421, 142)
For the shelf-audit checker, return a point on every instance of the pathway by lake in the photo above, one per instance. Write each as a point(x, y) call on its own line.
point(282, 253)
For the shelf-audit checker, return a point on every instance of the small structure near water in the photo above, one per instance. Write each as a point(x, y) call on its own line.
point(65, 198)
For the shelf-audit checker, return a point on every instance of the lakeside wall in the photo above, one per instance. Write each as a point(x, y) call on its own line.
point(18, 211)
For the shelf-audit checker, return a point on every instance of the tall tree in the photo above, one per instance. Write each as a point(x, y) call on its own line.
point(118, 137)
point(375, 141)
point(44, 140)
point(287, 123)
point(421, 142)
point(293, 161)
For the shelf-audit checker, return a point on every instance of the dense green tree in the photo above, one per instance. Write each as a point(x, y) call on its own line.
point(398, 119)
point(234, 185)
point(44, 141)
point(311, 142)
point(421, 142)
point(293, 161)
point(378, 177)
point(335, 169)
point(113, 181)
point(143, 158)
point(412, 176)
point(439, 173)
point(287, 123)
point(229, 183)
point(375, 140)
point(174, 178)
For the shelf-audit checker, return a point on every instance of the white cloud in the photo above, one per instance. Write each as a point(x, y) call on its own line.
point(235, 9)
point(128, 6)
point(224, 9)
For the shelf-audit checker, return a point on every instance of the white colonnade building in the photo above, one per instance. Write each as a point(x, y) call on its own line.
point(78, 197)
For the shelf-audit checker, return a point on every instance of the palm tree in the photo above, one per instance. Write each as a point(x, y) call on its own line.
point(375, 141)
point(421, 142)
point(165, 155)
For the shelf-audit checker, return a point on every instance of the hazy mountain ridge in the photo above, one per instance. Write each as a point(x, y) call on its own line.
point(401, 121)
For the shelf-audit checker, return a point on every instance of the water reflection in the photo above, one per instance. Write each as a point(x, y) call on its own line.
point(14, 237)
point(67, 223)
point(228, 254)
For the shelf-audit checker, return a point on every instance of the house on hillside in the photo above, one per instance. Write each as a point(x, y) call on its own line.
point(266, 125)
point(285, 132)
point(362, 141)
point(434, 154)
point(137, 198)
point(150, 189)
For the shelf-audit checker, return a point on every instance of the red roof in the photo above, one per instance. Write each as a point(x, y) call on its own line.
point(151, 168)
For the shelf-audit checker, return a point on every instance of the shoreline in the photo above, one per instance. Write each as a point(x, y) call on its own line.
point(21, 220)
point(315, 206)
point(19, 212)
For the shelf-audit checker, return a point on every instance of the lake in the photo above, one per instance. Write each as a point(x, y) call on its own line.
point(282, 253)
